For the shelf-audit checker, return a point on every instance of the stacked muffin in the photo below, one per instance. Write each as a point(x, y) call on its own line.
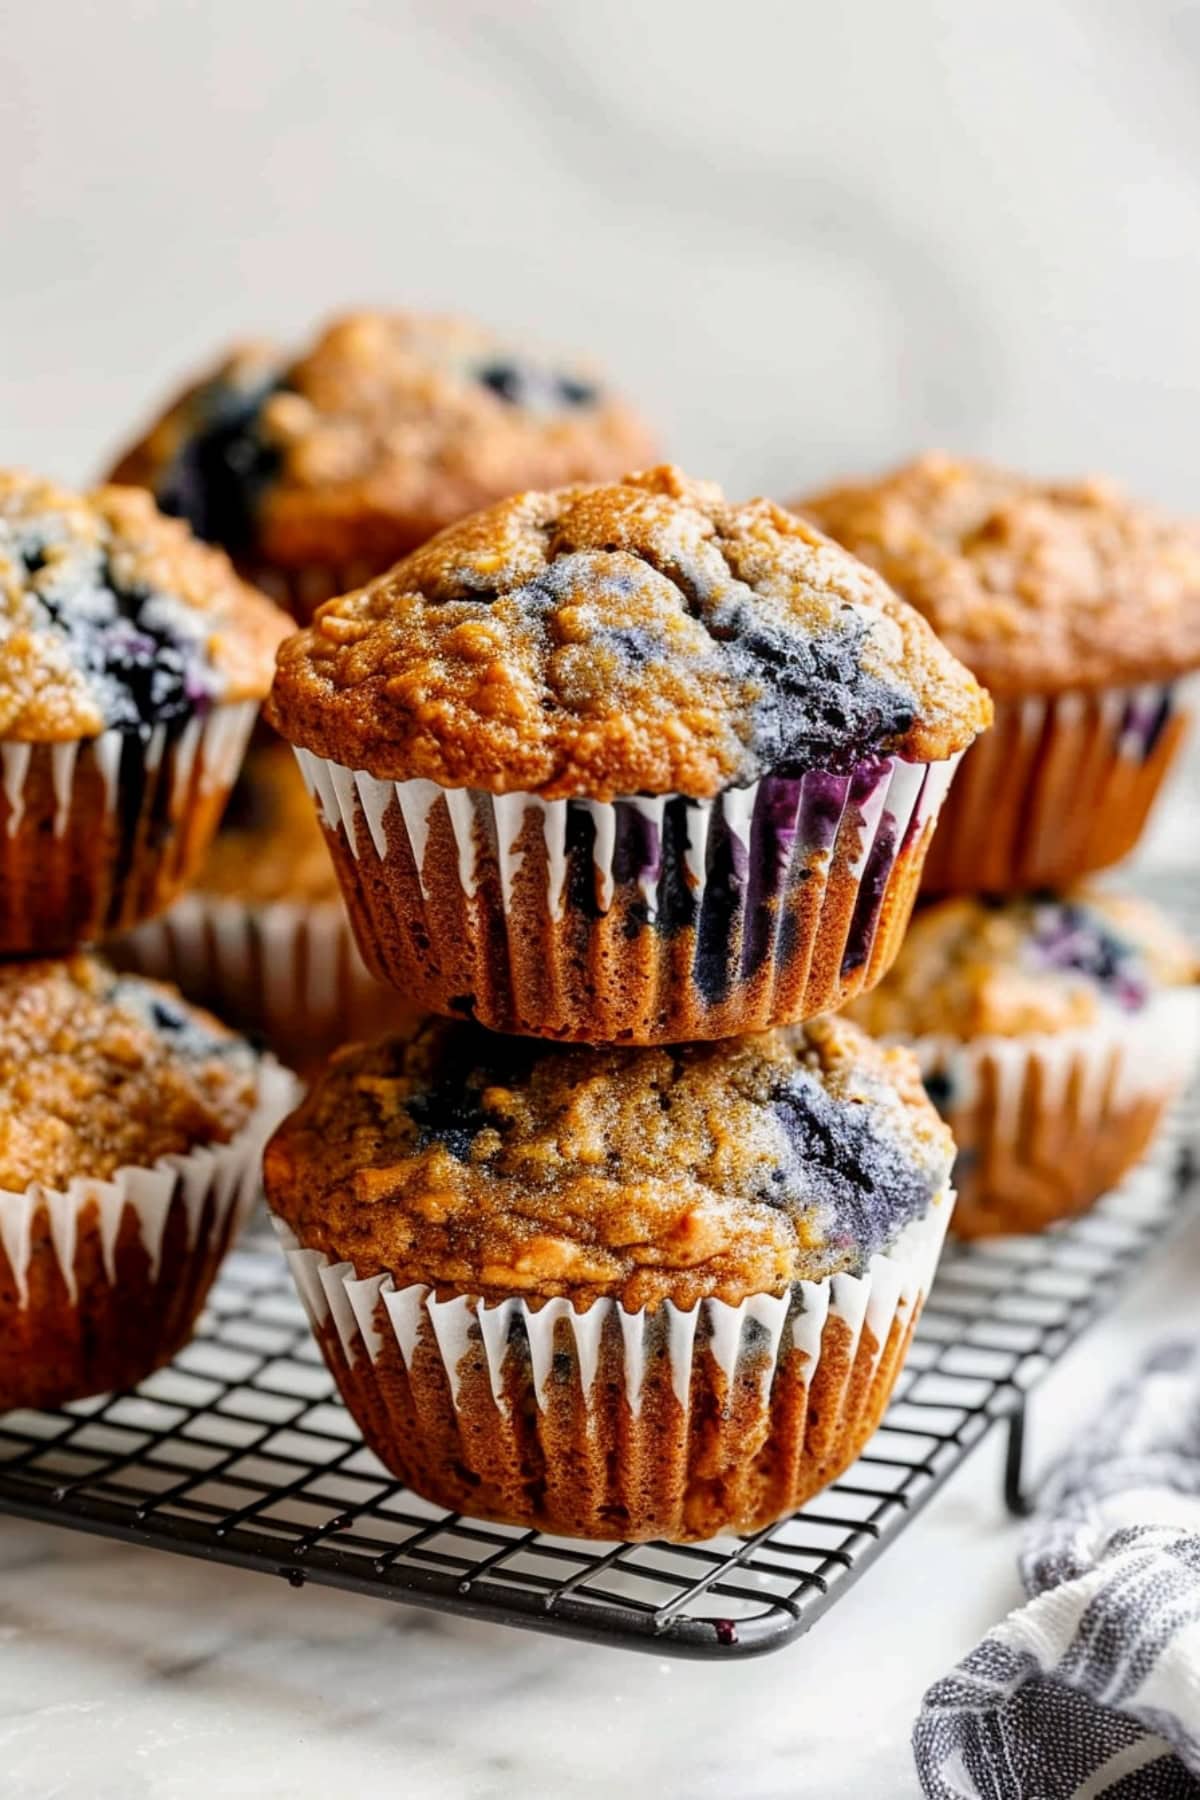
point(314, 472)
point(640, 771)
point(132, 662)
point(1055, 1025)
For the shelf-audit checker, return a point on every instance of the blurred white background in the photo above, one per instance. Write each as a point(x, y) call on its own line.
point(808, 237)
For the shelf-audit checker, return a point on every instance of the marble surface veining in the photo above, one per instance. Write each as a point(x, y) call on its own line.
point(809, 240)
point(130, 1674)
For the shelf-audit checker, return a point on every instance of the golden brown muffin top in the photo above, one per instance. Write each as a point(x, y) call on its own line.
point(100, 1072)
point(387, 428)
point(113, 616)
point(497, 1166)
point(647, 637)
point(975, 968)
point(270, 846)
point(1037, 586)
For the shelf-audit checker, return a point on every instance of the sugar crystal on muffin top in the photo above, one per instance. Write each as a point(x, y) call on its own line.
point(113, 617)
point(488, 1165)
point(1038, 586)
point(100, 1071)
point(974, 967)
point(385, 429)
point(646, 637)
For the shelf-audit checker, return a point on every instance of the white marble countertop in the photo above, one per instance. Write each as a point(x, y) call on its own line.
point(809, 241)
point(129, 1673)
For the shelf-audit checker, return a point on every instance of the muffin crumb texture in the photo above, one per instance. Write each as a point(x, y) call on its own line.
point(493, 1166)
point(100, 1072)
point(647, 637)
point(973, 968)
point(386, 429)
point(1039, 587)
point(114, 617)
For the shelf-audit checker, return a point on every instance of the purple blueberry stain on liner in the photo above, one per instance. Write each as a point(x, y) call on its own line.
point(637, 848)
point(1143, 725)
point(821, 808)
point(881, 859)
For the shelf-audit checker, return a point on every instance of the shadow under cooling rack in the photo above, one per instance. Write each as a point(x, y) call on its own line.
point(241, 1452)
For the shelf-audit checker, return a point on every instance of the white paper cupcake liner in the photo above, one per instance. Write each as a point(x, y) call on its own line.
point(667, 1423)
point(1047, 1122)
point(643, 918)
point(99, 832)
point(1060, 786)
point(62, 1338)
point(284, 970)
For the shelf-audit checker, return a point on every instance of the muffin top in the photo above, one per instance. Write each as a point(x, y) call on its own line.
point(1037, 586)
point(647, 637)
point(387, 428)
point(495, 1166)
point(100, 1072)
point(270, 846)
point(972, 968)
point(113, 617)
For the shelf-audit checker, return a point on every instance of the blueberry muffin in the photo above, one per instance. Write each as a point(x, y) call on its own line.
point(1052, 1034)
point(617, 1293)
point(318, 470)
point(131, 1128)
point(262, 936)
point(132, 663)
point(1080, 609)
point(626, 762)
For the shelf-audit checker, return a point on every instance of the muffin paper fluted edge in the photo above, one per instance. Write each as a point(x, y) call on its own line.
point(1058, 788)
point(102, 1281)
point(611, 1424)
point(99, 833)
point(642, 919)
point(1047, 1122)
point(284, 969)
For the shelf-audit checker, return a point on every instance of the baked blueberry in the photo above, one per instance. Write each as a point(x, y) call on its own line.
point(131, 663)
point(668, 765)
point(320, 469)
point(1051, 1032)
point(637, 1266)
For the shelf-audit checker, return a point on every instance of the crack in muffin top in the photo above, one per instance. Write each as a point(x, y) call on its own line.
point(100, 1071)
point(495, 1166)
point(1038, 586)
point(387, 428)
point(112, 616)
point(647, 637)
point(973, 968)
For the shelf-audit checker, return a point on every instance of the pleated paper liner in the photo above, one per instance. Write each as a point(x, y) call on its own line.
point(1057, 788)
point(100, 833)
point(102, 1282)
point(286, 972)
point(1046, 1123)
point(643, 920)
point(612, 1424)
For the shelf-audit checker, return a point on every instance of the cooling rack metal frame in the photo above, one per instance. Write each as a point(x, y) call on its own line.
point(241, 1452)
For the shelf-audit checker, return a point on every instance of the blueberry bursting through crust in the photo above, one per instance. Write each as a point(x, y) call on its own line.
point(643, 638)
point(113, 617)
point(318, 467)
point(122, 638)
point(223, 466)
point(635, 651)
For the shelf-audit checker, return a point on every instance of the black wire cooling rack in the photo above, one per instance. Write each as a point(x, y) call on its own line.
point(242, 1453)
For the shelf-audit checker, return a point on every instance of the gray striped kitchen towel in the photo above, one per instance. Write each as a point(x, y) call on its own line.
point(1093, 1686)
